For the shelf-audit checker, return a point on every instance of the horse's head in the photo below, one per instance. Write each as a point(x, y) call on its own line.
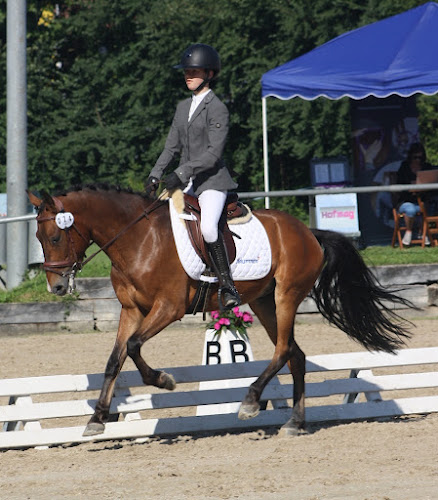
point(63, 243)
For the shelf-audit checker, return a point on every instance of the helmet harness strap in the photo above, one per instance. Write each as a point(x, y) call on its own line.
point(205, 81)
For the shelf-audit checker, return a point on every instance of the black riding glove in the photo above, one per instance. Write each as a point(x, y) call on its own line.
point(172, 182)
point(152, 185)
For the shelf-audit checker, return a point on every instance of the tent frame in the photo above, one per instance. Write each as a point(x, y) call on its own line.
point(265, 150)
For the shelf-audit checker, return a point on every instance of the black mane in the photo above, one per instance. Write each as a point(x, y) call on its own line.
point(101, 186)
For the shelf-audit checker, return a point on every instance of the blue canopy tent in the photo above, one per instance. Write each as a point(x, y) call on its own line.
point(392, 56)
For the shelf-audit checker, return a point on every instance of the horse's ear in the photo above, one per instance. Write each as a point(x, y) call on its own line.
point(48, 200)
point(36, 202)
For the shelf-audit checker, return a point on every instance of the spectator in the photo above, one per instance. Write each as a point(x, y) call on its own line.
point(406, 201)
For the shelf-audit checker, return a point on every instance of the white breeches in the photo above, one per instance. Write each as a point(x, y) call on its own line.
point(212, 203)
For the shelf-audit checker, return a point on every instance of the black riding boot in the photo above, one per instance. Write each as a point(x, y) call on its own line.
point(228, 295)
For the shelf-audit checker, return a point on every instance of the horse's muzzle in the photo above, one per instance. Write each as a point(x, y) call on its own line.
point(59, 289)
point(59, 286)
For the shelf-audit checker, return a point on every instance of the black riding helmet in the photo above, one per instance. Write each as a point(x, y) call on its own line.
point(200, 55)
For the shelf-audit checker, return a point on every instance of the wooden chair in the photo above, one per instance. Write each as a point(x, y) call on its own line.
point(400, 226)
point(429, 227)
point(430, 223)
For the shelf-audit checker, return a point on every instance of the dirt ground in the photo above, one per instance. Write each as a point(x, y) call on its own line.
point(387, 460)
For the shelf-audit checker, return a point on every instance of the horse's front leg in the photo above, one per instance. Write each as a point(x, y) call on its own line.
point(129, 321)
point(157, 319)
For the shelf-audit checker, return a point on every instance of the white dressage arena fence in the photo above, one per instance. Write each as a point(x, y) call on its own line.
point(53, 410)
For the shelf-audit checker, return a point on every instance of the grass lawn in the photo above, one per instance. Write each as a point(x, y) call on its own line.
point(384, 256)
point(34, 290)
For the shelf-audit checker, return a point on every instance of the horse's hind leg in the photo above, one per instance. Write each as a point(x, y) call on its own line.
point(297, 366)
point(287, 350)
point(264, 309)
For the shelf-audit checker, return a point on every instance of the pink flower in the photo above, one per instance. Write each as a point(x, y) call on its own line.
point(247, 317)
point(230, 319)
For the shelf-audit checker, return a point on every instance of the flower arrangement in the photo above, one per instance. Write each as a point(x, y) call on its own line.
point(234, 319)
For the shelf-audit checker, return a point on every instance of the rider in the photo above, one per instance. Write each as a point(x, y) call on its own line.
point(198, 134)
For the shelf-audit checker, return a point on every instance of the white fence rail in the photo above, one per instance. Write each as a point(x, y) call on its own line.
point(30, 421)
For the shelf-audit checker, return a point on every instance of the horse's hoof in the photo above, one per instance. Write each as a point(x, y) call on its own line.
point(93, 429)
point(291, 428)
point(166, 381)
point(248, 411)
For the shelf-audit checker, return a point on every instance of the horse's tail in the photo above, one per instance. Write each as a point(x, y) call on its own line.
point(349, 296)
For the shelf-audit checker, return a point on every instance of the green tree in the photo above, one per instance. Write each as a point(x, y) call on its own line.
point(102, 90)
point(428, 123)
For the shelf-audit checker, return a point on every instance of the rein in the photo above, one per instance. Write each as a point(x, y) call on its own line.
point(74, 264)
point(145, 213)
point(117, 236)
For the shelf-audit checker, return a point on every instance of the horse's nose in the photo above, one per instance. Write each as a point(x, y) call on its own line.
point(59, 289)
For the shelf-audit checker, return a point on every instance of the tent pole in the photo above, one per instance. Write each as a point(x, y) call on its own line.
point(265, 149)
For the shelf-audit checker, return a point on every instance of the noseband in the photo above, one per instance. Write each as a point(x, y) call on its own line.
point(72, 262)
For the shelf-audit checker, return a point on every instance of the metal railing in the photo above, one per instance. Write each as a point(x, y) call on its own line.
point(338, 190)
point(4, 220)
point(297, 192)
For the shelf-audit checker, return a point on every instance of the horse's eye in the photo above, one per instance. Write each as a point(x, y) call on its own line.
point(55, 239)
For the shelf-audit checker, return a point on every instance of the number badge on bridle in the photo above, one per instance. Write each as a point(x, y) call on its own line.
point(64, 220)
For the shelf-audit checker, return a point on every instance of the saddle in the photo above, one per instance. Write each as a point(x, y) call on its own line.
point(233, 209)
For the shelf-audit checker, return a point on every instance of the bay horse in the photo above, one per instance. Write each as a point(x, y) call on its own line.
point(154, 290)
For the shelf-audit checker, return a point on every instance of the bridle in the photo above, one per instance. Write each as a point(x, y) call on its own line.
point(72, 262)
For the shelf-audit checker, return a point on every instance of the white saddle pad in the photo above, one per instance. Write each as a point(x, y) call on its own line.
point(253, 251)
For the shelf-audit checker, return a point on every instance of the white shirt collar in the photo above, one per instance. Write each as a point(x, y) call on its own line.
point(196, 100)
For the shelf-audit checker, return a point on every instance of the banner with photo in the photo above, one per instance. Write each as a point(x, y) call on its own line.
point(382, 132)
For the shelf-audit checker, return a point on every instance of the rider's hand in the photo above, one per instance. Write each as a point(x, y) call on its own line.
point(152, 185)
point(172, 182)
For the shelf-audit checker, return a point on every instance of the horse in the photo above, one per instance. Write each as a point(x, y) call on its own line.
point(135, 232)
